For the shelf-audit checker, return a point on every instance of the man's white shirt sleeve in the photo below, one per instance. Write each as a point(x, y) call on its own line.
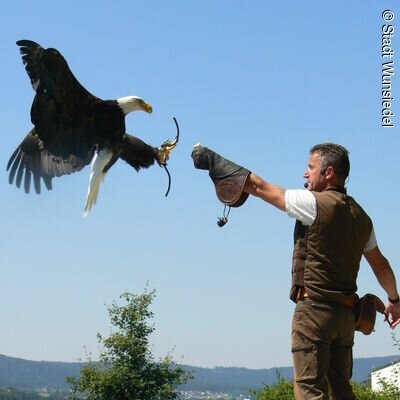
point(302, 205)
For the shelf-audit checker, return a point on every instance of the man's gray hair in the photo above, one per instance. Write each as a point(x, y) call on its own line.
point(335, 156)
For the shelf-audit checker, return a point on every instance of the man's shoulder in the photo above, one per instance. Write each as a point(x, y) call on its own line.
point(338, 199)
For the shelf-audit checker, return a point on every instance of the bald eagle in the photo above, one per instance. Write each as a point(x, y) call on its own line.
point(73, 128)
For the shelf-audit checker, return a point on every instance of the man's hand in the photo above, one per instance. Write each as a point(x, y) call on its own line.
point(392, 314)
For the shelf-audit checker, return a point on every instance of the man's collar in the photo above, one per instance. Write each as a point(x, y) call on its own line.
point(339, 189)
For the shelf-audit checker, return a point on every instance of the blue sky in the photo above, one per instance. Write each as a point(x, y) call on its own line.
point(260, 82)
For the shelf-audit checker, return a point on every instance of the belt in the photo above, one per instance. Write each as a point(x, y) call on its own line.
point(348, 302)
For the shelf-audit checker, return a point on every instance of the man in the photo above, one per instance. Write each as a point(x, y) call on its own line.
point(332, 233)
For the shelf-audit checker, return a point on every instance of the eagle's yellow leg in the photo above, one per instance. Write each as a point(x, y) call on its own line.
point(164, 152)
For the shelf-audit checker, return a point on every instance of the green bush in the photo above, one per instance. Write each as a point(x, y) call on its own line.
point(364, 392)
point(282, 389)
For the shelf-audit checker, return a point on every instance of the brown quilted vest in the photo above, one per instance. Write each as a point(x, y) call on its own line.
point(327, 254)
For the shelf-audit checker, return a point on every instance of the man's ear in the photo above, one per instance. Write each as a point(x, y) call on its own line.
point(329, 172)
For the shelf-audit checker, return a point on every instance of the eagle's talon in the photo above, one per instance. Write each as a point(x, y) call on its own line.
point(163, 154)
point(165, 150)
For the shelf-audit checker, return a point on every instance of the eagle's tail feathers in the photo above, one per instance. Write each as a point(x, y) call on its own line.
point(97, 175)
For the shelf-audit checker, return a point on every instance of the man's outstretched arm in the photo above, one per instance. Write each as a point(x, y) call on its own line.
point(266, 191)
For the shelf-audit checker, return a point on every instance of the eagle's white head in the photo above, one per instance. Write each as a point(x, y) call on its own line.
point(133, 103)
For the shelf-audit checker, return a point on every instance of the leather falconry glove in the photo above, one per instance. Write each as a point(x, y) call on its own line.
point(228, 178)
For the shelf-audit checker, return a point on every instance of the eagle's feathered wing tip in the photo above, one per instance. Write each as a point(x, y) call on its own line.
point(101, 159)
point(20, 172)
point(28, 43)
point(23, 166)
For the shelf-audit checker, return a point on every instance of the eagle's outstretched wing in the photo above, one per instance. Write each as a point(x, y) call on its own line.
point(63, 111)
point(32, 160)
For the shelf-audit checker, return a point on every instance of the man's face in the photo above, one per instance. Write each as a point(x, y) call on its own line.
point(315, 180)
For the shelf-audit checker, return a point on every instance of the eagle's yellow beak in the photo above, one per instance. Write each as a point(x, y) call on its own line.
point(147, 107)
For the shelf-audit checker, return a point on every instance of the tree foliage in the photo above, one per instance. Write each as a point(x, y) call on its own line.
point(126, 368)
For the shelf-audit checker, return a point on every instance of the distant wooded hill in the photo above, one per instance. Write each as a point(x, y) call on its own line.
point(24, 375)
